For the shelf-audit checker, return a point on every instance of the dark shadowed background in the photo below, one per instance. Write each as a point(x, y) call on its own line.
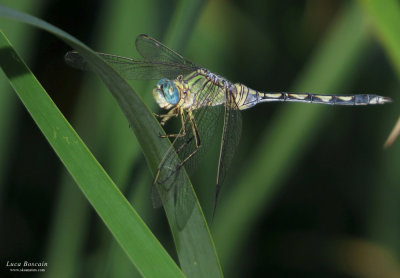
point(311, 191)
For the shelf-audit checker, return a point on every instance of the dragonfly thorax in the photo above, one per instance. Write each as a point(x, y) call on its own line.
point(173, 94)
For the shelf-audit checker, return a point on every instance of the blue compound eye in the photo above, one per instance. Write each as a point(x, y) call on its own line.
point(169, 91)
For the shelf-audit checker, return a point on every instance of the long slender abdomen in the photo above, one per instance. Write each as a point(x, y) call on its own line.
point(247, 98)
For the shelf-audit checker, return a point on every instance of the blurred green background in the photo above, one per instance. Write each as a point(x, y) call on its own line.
point(311, 192)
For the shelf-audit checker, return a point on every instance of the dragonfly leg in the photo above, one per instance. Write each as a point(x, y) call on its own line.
point(156, 175)
point(197, 147)
point(183, 133)
point(196, 138)
point(184, 144)
point(194, 129)
point(165, 117)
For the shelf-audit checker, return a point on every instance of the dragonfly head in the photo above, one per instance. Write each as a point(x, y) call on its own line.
point(166, 94)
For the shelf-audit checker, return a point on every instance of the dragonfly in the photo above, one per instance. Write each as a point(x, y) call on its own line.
point(202, 101)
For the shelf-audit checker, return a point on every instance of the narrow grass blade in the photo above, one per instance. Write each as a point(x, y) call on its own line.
point(20, 35)
point(194, 242)
point(108, 136)
point(127, 227)
point(183, 21)
point(385, 17)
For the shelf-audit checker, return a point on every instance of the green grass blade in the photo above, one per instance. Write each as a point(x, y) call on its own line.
point(113, 138)
point(183, 21)
point(385, 17)
point(127, 227)
point(20, 35)
point(194, 242)
point(110, 137)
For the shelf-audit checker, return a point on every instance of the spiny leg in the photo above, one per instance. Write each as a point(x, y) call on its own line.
point(181, 134)
point(196, 137)
point(184, 144)
point(157, 174)
point(165, 117)
point(168, 116)
point(197, 145)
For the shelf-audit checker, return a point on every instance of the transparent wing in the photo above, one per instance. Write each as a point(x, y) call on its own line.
point(153, 50)
point(133, 69)
point(229, 141)
point(207, 119)
point(159, 61)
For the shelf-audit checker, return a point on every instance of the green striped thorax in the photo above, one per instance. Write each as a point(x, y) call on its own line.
point(189, 92)
point(173, 94)
point(176, 93)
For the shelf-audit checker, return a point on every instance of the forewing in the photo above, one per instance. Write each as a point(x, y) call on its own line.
point(130, 68)
point(153, 50)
